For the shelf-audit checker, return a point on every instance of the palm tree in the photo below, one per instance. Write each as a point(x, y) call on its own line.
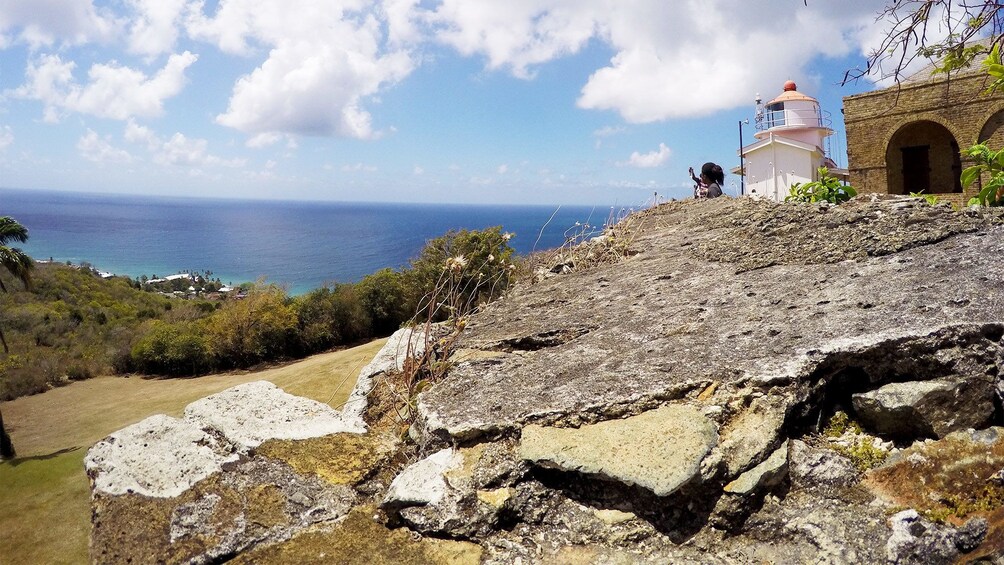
point(19, 265)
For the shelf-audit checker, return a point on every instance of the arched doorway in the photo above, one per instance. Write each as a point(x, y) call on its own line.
point(992, 133)
point(923, 156)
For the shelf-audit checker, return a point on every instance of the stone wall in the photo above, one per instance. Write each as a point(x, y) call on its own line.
point(943, 114)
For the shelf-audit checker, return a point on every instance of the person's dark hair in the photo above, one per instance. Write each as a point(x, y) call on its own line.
point(713, 172)
point(719, 175)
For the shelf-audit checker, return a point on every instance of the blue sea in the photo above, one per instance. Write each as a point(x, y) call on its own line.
point(303, 245)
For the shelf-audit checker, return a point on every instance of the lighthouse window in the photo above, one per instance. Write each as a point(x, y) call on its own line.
point(775, 114)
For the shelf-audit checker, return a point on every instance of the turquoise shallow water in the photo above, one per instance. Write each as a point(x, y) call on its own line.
point(301, 244)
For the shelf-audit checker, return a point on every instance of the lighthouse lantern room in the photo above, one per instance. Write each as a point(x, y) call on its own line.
point(788, 147)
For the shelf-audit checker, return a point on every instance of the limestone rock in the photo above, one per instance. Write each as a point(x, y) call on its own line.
point(251, 413)
point(926, 408)
point(915, 540)
point(422, 482)
point(750, 435)
point(255, 501)
point(160, 456)
point(767, 474)
point(391, 357)
point(812, 467)
point(660, 450)
point(341, 459)
point(954, 477)
point(359, 540)
point(443, 493)
point(735, 291)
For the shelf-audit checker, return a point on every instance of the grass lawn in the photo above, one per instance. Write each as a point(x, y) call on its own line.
point(44, 493)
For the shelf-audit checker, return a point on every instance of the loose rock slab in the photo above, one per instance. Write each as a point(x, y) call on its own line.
point(928, 408)
point(160, 457)
point(251, 413)
point(660, 450)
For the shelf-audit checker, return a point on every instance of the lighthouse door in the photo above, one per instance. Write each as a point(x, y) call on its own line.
point(916, 169)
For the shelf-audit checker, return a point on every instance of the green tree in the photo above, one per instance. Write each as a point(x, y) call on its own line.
point(19, 264)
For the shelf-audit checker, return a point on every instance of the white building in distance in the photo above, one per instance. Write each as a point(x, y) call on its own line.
point(789, 148)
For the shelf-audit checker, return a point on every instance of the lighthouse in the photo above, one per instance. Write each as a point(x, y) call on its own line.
point(789, 145)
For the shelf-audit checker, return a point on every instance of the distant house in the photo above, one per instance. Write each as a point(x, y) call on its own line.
point(907, 138)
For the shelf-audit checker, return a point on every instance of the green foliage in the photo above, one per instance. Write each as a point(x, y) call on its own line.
point(840, 424)
point(863, 453)
point(70, 325)
point(331, 316)
point(468, 267)
point(172, 349)
point(384, 296)
point(826, 189)
point(73, 324)
point(993, 67)
point(260, 327)
point(991, 163)
point(931, 199)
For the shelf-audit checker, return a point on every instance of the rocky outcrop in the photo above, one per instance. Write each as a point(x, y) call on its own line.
point(671, 402)
point(660, 450)
point(927, 408)
point(192, 490)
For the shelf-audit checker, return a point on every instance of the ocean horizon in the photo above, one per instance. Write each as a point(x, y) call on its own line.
point(300, 244)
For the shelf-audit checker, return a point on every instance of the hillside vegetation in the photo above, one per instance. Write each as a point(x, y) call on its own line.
point(71, 324)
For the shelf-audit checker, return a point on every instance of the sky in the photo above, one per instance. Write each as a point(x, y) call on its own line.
point(464, 101)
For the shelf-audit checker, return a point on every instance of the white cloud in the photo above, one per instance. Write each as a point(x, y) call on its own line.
point(648, 160)
point(177, 150)
point(112, 91)
point(154, 28)
point(264, 140)
point(503, 169)
point(418, 171)
point(607, 131)
point(516, 34)
point(100, 150)
point(6, 137)
point(358, 167)
point(671, 59)
point(46, 23)
point(325, 60)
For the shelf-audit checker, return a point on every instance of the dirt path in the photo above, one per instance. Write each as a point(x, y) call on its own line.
point(44, 493)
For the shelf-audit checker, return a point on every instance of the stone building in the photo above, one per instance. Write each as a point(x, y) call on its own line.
point(907, 138)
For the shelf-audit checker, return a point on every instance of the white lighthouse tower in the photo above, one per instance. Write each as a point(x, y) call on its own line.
point(789, 146)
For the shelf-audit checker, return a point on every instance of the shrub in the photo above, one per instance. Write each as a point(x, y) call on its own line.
point(468, 267)
point(826, 189)
point(172, 349)
point(260, 327)
point(990, 162)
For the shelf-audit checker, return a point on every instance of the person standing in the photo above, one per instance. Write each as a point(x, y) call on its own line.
point(713, 176)
point(700, 187)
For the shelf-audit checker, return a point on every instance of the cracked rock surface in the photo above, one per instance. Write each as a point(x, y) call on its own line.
point(689, 307)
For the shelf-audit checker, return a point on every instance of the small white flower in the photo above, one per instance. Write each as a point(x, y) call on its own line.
point(507, 236)
point(491, 257)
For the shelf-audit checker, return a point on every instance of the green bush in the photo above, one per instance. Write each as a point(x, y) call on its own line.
point(460, 270)
point(826, 189)
point(172, 349)
point(992, 163)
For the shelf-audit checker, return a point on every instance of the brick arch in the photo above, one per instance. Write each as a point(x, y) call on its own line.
point(992, 130)
point(922, 155)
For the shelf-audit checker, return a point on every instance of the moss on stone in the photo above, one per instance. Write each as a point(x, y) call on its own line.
point(341, 459)
point(361, 540)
